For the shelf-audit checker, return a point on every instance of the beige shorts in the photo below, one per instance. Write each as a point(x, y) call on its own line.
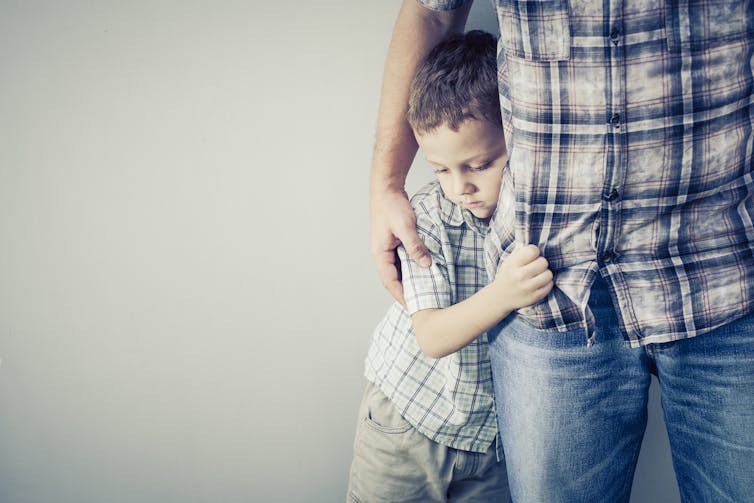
point(394, 463)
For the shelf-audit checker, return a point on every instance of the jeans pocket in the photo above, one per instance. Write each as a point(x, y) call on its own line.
point(698, 25)
point(516, 328)
point(537, 30)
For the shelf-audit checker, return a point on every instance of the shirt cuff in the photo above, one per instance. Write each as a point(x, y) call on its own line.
point(443, 4)
point(426, 290)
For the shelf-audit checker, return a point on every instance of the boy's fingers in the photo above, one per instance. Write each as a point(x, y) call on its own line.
point(543, 279)
point(542, 291)
point(535, 267)
point(524, 255)
point(540, 287)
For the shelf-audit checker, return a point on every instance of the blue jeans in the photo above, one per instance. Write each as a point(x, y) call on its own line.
point(572, 417)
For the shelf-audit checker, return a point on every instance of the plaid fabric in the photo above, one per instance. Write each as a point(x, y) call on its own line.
point(450, 399)
point(443, 4)
point(629, 125)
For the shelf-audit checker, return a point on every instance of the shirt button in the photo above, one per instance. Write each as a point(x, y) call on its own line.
point(608, 256)
point(613, 195)
point(615, 36)
point(615, 120)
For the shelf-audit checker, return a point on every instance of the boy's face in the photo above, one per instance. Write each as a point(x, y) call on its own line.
point(468, 163)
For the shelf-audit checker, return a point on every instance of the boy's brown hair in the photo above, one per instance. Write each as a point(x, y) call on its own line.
point(456, 82)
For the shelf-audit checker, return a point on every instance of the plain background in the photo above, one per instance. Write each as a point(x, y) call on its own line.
point(186, 290)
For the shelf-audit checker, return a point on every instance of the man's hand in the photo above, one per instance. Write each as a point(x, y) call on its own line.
point(523, 278)
point(393, 222)
point(417, 30)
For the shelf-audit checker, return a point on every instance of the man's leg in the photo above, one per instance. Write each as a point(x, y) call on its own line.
point(707, 386)
point(479, 478)
point(571, 417)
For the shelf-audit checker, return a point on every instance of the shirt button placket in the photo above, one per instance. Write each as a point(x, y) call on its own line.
point(616, 124)
point(608, 256)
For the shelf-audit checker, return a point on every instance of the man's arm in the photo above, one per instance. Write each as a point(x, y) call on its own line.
point(417, 30)
point(523, 279)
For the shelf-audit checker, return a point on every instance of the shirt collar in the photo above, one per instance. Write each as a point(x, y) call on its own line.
point(455, 216)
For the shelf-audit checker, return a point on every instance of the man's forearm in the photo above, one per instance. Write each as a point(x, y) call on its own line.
point(417, 30)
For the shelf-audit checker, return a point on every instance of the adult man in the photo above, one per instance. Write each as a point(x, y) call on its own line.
point(630, 133)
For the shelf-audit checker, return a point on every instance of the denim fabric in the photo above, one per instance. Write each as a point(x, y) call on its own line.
point(572, 415)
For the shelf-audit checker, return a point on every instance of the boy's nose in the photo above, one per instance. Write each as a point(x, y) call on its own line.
point(462, 186)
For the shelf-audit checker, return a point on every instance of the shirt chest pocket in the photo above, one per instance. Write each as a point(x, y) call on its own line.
point(698, 25)
point(537, 30)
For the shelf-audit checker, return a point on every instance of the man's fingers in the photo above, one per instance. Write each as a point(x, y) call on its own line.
point(388, 269)
point(416, 249)
point(395, 289)
point(393, 222)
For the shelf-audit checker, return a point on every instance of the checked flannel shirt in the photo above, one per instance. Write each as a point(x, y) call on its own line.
point(450, 399)
point(629, 126)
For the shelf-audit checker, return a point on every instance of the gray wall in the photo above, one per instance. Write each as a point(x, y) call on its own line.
point(186, 293)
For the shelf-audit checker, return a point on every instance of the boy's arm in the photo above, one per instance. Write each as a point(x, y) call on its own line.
point(521, 280)
point(417, 30)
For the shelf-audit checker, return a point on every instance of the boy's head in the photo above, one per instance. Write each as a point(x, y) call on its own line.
point(455, 115)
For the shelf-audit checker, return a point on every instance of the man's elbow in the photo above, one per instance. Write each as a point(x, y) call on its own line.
point(447, 22)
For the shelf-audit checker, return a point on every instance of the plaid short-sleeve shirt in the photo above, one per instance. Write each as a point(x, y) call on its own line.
point(450, 399)
point(630, 131)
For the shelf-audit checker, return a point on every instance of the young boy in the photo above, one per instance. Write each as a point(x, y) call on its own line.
point(427, 426)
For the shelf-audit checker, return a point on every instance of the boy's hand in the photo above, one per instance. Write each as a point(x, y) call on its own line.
point(393, 222)
point(523, 278)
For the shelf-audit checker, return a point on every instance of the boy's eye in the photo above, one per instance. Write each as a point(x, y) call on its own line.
point(440, 171)
point(481, 167)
